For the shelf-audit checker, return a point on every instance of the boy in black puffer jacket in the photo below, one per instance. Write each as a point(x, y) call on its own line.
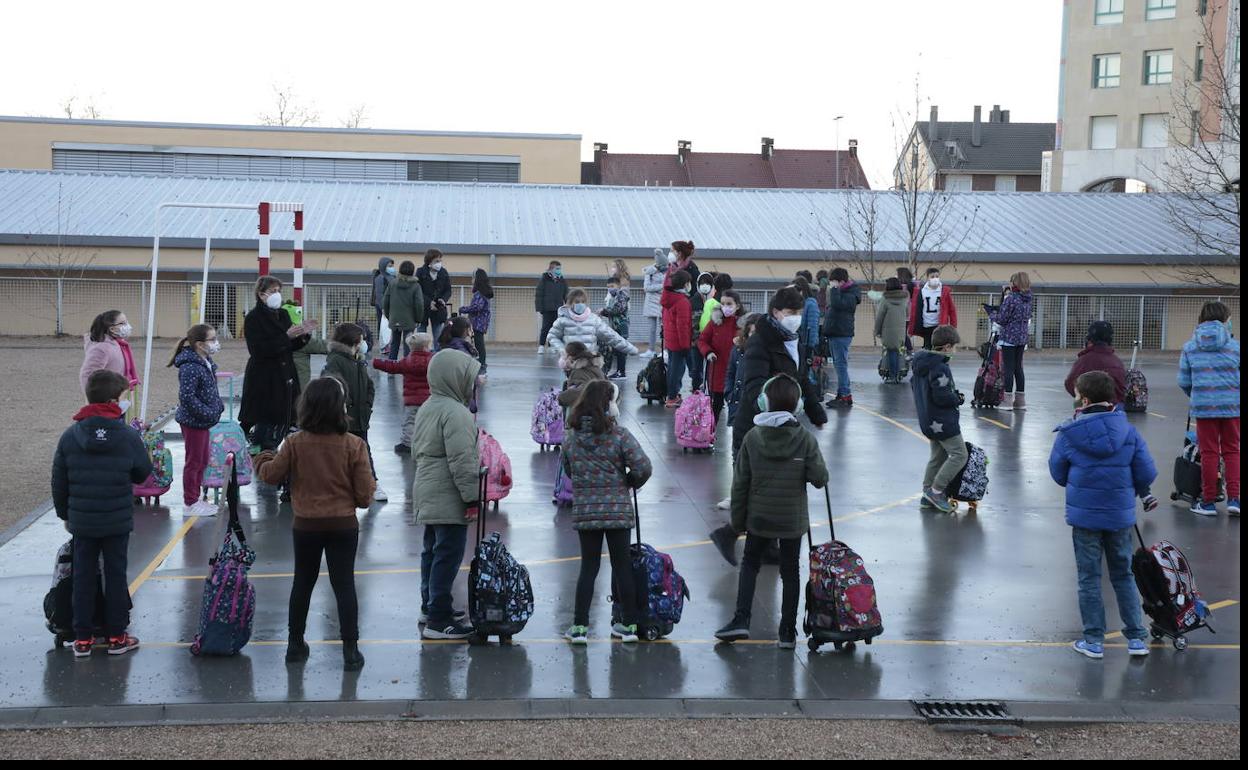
point(97, 462)
point(937, 401)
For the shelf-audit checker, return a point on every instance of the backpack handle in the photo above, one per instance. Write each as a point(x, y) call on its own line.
point(231, 498)
point(637, 515)
point(827, 498)
point(481, 502)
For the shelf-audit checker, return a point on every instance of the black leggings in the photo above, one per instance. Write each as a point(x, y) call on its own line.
point(926, 333)
point(478, 341)
point(621, 573)
point(717, 405)
point(339, 547)
point(1012, 360)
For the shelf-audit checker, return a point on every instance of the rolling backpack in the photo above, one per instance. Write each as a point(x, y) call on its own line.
point(660, 590)
point(229, 601)
point(989, 384)
point(695, 422)
point(903, 359)
point(652, 380)
point(971, 483)
point(58, 602)
point(547, 428)
point(562, 495)
point(1167, 587)
point(157, 484)
point(226, 438)
point(500, 596)
point(498, 466)
point(1188, 483)
point(1136, 397)
point(840, 596)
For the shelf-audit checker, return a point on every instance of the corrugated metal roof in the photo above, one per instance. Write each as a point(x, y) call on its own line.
point(109, 209)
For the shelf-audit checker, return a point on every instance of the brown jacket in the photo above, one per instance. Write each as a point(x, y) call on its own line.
point(329, 478)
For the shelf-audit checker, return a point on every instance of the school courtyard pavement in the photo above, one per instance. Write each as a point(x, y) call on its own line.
point(977, 606)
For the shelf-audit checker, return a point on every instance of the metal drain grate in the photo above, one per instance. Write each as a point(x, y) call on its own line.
point(949, 711)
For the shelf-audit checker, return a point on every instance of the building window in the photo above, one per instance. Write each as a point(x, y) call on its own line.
point(1157, 10)
point(1107, 70)
point(1006, 184)
point(958, 183)
point(1153, 132)
point(1105, 132)
point(1200, 63)
point(1109, 11)
point(1158, 67)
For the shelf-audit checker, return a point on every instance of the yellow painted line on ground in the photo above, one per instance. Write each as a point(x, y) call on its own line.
point(1215, 606)
point(164, 554)
point(890, 420)
point(994, 422)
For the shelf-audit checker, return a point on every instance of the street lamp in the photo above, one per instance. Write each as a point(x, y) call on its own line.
point(836, 122)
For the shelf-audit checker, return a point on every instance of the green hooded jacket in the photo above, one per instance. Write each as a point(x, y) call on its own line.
point(444, 442)
point(404, 303)
point(769, 485)
point(303, 360)
point(343, 365)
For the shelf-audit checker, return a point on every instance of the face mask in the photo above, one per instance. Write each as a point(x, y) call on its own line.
point(123, 331)
point(612, 292)
point(684, 291)
point(729, 310)
point(704, 288)
point(391, 270)
point(613, 410)
point(671, 257)
point(791, 323)
point(436, 267)
point(363, 347)
point(214, 347)
point(274, 300)
point(823, 282)
point(579, 308)
point(123, 405)
point(557, 272)
point(934, 283)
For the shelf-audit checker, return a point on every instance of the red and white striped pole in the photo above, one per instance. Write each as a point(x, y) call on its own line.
point(265, 247)
point(299, 257)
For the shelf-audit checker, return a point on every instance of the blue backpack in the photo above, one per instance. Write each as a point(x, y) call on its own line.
point(229, 602)
point(660, 590)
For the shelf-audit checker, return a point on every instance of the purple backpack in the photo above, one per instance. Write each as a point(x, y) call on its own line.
point(563, 488)
point(547, 429)
point(229, 602)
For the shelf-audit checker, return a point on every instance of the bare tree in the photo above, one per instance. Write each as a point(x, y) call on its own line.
point(89, 111)
point(289, 110)
point(56, 264)
point(854, 235)
point(355, 118)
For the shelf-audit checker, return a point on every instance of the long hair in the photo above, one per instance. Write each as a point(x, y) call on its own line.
point(1021, 281)
point(322, 407)
point(621, 273)
point(196, 334)
point(102, 323)
point(481, 284)
point(747, 328)
point(683, 249)
point(459, 326)
point(596, 398)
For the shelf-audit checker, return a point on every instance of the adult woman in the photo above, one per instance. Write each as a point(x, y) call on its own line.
point(382, 277)
point(435, 283)
point(1014, 318)
point(890, 326)
point(654, 276)
point(681, 258)
point(106, 347)
point(270, 383)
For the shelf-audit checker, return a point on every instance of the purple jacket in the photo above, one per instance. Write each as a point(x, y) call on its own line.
point(478, 311)
point(1013, 316)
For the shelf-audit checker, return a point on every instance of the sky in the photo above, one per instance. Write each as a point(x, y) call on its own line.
point(638, 75)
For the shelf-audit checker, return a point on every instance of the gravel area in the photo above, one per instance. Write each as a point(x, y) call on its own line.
point(626, 739)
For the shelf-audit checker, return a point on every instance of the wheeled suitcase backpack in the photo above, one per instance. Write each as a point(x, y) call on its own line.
point(498, 480)
point(547, 428)
point(58, 603)
point(500, 596)
point(659, 589)
point(228, 606)
point(971, 483)
point(1188, 481)
point(903, 363)
point(1168, 589)
point(840, 595)
point(695, 423)
point(652, 380)
point(989, 383)
point(226, 438)
point(151, 489)
point(1136, 397)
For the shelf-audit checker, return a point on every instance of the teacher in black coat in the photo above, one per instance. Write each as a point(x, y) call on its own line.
point(270, 385)
point(435, 283)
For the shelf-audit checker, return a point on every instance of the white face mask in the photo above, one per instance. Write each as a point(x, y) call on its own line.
point(363, 347)
point(436, 266)
point(934, 283)
point(791, 323)
point(123, 405)
point(123, 331)
point(214, 347)
point(729, 310)
point(671, 257)
point(704, 288)
point(274, 300)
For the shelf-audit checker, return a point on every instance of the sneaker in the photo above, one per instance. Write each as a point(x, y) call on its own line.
point(725, 504)
point(402, 449)
point(736, 630)
point(459, 616)
point(626, 634)
point(541, 349)
point(924, 505)
point(190, 510)
point(205, 508)
point(1020, 402)
point(840, 402)
point(297, 651)
point(725, 539)
point(618, 376)
point(1090, 650)
point(577, 635)
point(380, 495)
point(82, 648)
point(453, 630)
point(938, 500)
point(1137, 648)
point(1232, 506)
point(1150, 503)
point(647, 354)
point(672, 403)
point(1202, 508)
point(787, 640)
point(120, 645)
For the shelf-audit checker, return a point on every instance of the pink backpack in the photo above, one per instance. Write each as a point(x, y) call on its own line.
point(498, 477)
point(695, 422)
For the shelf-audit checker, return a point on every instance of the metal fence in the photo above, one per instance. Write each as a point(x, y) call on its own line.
point(46, 306)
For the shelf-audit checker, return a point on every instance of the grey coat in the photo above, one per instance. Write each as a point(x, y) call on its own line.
point(653, 286)
point(890, 318)
point(594, 331)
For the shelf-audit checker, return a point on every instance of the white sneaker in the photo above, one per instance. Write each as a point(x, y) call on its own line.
point(380, 495)
point(647, 354)
point(541, 349)
point(206, 508)
point(191, 510)
point(725, 504)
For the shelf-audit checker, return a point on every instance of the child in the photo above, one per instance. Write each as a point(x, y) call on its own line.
point(582, 366)
point(345, 363)
point(478, 312)
point(716, 343)
point(1104, 464)
point(931, 306)
point(1209, 375)
point(677, 334)
point(444, 493)
point(616, 313)
point(777, 460)
point(577, 322)
point(455, 336)
point(415, 371)
point(890, 326)
point(96, 462)
point(199, 408)
point(331, 476)
point(735, 379)
point(937, 402)
point(605, 463)
point(404, 306)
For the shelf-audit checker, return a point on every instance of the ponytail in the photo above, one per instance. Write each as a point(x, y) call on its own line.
point(195, 335)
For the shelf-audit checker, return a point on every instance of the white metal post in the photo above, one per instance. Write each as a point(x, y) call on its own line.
point(203, 286)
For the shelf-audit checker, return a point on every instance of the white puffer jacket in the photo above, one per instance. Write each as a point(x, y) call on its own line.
point(594, 331)
point(653, 285)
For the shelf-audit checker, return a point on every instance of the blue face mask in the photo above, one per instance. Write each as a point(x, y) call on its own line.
point(579, 308)
point(558, 272)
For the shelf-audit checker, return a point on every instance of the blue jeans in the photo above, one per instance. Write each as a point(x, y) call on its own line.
point(840, 359)
point(399, 340)
point(1117, 547)
point(894, 363)
point(677, 362)
point(437, 333)
point(439, 565)
point(87, 552)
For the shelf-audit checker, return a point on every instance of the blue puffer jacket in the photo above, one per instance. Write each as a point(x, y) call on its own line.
point(935, 397)
point(1104, 464)
point(1209, 371)
point(842, 306)
point(808, 333)
point(199, 401)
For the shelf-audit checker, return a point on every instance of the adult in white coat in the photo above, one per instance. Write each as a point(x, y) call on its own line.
point(654, 276)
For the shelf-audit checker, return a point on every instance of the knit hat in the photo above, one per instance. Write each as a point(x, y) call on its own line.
point(1101, 331)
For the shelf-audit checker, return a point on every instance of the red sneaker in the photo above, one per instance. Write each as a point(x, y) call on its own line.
point(82, 648)
point(120, 645)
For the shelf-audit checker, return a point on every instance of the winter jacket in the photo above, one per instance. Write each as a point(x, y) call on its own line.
point(1013, 315)
point(434, 287)
point(948, 315)
point(330, 476)
point(1209, 372)
point(478, 312)
point(935, 398)
point(677, 321)
point(97, 463)
point(111, 354)
point(766, 356)
point(719, 339)
point(404, 304)
point(270, 382)
point(199, 401)
point(381, 281)
point(1104, 464)
point(689, 267)
point(734, 384)
point(463, 345)
point(591, 329)
point(444, 443)
point(890, 319)
point(552, 292)
point(842, 306)
point(652, 284)
point(1099, 357)
point(604, 469)
point(303, 360)
point(809, 332)
point(769, 481)
point(415, 371)
point(616, 311)
point(581, 372)
point(343, 365)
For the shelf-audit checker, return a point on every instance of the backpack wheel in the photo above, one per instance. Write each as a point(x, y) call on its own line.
point(850, 646)
point(812, 645)
point(477, 640)
point(505, 640)
point(838, 646)
point(651, 633)
point(1180, 643)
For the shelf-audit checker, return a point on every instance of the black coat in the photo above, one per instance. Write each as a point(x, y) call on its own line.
point(936, 398)
point(97, 462)
point(271, 384)
point(435, 287)
point(551, 294)
point(765, 357)
point(838, 321)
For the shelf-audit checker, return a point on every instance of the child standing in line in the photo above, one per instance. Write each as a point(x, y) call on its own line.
point(478, 312)
point(1104, 464)
point(582, 366)
point(1209, 375)
point(444, 493)
point(415, 371)
point(677, 334)
point(716, 343)
point(97, 461)
point(776, 462)
point(735, 379)
point(345, 363)
point(616, 313)
point(330, 476)
point(605, 463)
point(456, 336)
point(199, 408)
point(937, 401)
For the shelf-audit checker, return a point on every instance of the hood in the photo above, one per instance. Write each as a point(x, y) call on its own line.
point(660, 258)
point(341, 349)
point(453, 375)
point(407, 281)
point(99, 435)
point(1100, 435)
point(851, 288)
point(780, 442)
point(585, 363)
point(1211, 336)
point(1097, 347)
point(1024, 297)
point(381, 264)
point(710, 278)
point(188, 356)
point(926, 360)
point(896, 295)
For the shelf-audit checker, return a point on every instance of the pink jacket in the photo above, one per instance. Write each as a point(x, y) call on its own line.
point(106, 355)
